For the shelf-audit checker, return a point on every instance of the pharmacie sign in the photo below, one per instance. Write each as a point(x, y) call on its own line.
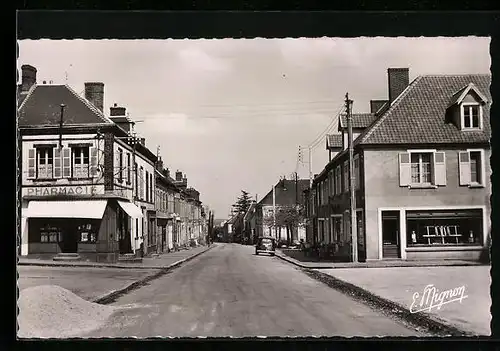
point(63, 190)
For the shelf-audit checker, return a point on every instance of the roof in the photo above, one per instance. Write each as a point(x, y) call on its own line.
point(334, 141)
point(285, 192)
point(423, 106)
point(359, 120)
point(42, 106)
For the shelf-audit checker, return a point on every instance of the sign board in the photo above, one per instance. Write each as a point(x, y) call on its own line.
point(69, 190)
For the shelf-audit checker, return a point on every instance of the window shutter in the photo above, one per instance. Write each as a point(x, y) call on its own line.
point(464, 167)
point(57, 163)
point(66, 157)
point(31, 163)
point(404, 169)
point(93, 162)
point(439, 168)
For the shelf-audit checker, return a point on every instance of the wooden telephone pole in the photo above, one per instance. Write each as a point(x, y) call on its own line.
point(352, 190)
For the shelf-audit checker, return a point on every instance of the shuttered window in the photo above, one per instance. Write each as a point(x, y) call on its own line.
point(422, 168)
point(45, 162)
point(346, 176)
point(472, 168)
point(128, 168)
point(94, 162)
point(81, 162)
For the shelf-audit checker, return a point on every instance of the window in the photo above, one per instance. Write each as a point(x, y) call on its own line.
point(151, 187)
point(50, 234)
point(128, 168)
point(45, 160)
point(120, 165)
point(471, 116)
point(136, 180)
point(141, 183)
point(421, 168)
point(337, 228)
point(446, 227)
point(346, 176)
point(81, 164)
point(472, 168)
point(87, 233)
point(147, 186)
point(356, 172)
point(338, 180)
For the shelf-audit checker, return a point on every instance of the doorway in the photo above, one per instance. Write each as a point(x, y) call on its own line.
point(68, 242)
point(124, 234)
point(391, 243)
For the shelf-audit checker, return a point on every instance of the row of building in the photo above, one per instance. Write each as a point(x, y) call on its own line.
point(89, 185)
point(421, 173)
point(421, 176)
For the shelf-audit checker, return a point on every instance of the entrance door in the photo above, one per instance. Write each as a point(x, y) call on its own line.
point(69, 242)
point(390, 234)
point(124, 233)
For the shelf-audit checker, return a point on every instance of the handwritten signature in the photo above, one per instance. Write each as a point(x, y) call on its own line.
point(432, 298)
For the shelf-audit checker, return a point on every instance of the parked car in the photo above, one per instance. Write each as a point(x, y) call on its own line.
point(265, 245)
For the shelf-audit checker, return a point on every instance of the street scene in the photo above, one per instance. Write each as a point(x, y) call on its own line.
point(246, 188)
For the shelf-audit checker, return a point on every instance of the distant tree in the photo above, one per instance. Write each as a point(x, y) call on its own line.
point(243, 202)
point(288, 216)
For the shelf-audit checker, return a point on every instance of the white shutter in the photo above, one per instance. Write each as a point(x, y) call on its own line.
point(93, 162)
point(464, 167)
point(404, 169)
point(31, 163)
point(66, 156)
point(57, 163)
point(439, 168)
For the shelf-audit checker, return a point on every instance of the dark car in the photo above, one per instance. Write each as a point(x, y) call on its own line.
point(265, 245)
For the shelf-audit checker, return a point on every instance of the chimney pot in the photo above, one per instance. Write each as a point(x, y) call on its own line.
point(399, 78)
point(178, 176)
point(28, 77)
point(94, 92)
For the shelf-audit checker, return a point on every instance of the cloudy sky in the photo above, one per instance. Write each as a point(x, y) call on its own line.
point(231, 114)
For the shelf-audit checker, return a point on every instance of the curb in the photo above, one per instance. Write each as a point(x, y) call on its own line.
point(113, 295)
point(388, 307)
point(103, 265)
point(298, 264)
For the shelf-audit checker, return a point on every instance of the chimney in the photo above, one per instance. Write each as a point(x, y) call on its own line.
point(167, 172)
point(375, 105)
point(178, 176)
point(159, 164)
point(117, 111)
point(94, 92)
point(399, 78)
point(143, 141)
point(28, 77)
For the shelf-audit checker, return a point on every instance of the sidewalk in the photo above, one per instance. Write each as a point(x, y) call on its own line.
point(399, 285)
point(162, 261)
point(309, 264)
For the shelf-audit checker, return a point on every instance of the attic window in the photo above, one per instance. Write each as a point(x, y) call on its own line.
point(471, 116)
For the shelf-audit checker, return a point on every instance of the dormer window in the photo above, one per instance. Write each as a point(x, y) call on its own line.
point(471, 116)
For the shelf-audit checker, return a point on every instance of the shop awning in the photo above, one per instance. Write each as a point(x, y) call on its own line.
point(66, 209)
point(131, 209)
point(160, 215)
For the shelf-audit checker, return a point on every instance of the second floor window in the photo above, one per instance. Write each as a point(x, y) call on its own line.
point(147, 186)
point(120, 165)
point(472, 168)
point(346, 176)
point(45, 162)
point(128, 168)
point(421, 168)
point(81, 162)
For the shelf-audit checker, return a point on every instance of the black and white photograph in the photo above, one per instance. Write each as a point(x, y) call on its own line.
point(292, 187)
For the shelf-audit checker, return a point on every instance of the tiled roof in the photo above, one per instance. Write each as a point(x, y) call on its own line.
point(418, 115)
point(334, 141)
point(285, 192)
point(42, 106)
point(359, 120)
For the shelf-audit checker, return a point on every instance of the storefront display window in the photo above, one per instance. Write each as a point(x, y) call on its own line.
point(87, 233)
point(50, 234)
point(434, 228)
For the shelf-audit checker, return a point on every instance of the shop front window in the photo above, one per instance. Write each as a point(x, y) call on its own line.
point(50, 234)
point(87, 233)
point(431, 228)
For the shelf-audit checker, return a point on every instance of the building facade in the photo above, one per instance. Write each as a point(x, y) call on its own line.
point(73, 199)
point(421, 173)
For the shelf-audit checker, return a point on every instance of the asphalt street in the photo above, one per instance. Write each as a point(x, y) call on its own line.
point(229, 291)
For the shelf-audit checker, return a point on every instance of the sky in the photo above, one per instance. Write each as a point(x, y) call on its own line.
point(232, 113)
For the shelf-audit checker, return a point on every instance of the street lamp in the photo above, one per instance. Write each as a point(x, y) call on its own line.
point(352, 190)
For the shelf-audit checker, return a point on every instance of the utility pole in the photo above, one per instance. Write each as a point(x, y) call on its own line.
point(352, 190)
point(274, 210)
point(61, 125)
point(310, 168)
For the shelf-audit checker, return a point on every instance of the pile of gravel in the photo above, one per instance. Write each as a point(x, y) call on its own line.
point(50, 311)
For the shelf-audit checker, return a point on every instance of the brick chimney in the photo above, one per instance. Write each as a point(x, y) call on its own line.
point(167, 172)
point(178, 176)
point(94, 92)
point(115, 110)
point(375, 105)
point(399, 78)
point(28, 77)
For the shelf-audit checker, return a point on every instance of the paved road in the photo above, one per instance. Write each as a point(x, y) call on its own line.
point(229, 291)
